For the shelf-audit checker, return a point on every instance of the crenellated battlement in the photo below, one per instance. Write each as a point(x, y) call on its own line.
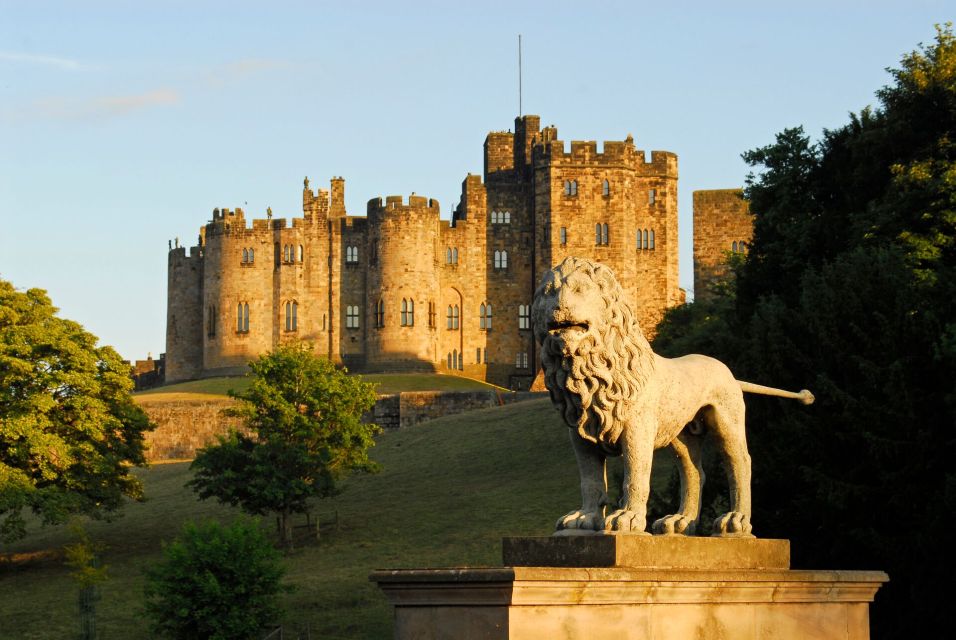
point(398, 205)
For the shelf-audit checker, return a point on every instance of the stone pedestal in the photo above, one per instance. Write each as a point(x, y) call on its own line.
point(664, 598)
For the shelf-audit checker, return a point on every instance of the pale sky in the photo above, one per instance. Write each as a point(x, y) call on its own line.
point(123, 124)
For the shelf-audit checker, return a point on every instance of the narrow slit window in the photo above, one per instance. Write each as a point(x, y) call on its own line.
point(606, 188)
point(563, 235)
point(652, 196)
point(651, 245)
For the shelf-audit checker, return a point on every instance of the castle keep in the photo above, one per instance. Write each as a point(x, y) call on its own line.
point(401, 289)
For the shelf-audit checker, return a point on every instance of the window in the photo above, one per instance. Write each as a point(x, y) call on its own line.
point(352, 317)
point(485, 354)
point(524, 316)
point(448, 361)
point(380, 313)
point(454, 359)
point(734, 247)
point(651, 245)
point(252, 255)
point(285, 253)
point(601, 234)
point(739, 246)
point(501, 259)
point(449, 317)
point(521, 361)
point(500, 217)
point(291, 316)
point(454, 317)
point(461, 361)
point(564, 236)
point(408, 313)
point(478, 355)
point(645, 238)
point(351, 254)
point(245, 256)
point(242, 317)
point(431, 314)
point(454, 255)
point(447, 255)
point(301, 253)
point(570, 187)
point(484, 316)
point(211, 320)
point(606, 188)
point(652, 196)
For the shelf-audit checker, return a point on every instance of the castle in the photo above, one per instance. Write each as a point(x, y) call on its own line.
point(401, 289)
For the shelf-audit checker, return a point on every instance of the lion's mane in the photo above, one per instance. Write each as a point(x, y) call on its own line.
point(595, 385)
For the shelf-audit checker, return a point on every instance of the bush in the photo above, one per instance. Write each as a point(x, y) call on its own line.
point(216, 582)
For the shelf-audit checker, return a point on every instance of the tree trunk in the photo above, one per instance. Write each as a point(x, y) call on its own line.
point(286, 519)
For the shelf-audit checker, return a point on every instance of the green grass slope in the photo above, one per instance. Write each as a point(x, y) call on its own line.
point(385, 383)
point(450, 489)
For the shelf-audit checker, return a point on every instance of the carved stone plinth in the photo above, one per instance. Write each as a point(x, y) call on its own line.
point(558, 602)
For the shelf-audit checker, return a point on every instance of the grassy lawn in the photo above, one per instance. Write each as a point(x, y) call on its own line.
point(386, 383)
point(449, 490)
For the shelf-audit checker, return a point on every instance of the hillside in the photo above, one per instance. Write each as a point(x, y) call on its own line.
point(209, 388)
point(449, 490)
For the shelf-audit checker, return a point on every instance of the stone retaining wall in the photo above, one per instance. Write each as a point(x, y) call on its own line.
point(184, 426)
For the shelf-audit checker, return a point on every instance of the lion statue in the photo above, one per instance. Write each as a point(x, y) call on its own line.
point(620, 398)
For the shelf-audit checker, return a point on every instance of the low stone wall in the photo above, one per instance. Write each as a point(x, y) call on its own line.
point(184, 426)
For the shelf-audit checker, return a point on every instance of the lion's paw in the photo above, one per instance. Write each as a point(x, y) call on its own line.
point(577, 519)
point(676, 524)
point(733, 524)
point(626, 521)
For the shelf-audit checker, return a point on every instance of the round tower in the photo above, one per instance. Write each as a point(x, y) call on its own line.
point(403, 283)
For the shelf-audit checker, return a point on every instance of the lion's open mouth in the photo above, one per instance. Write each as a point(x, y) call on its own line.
point(564, 325)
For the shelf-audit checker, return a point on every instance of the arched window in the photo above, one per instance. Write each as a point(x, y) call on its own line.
point(651, 245)
point(501, 259)
point(242, 317)
point(454, 358)
point(301, 253)
point(252, 255)
point(291, 316)
point(447, 255)
point(488, 316)
point(652, 196)
point(574, 187)
point(597, 233)
point(605, 238)
point(481, 316)
point(450, 325)
point(245, 256)
point(404, 317)
point(454, 255)
point(454, 317)
point(733, 247)
point(448, 363)
point(380, 313)
point(411, 312)
point(742, 246)
point(640, 236)
point(567, 187)
point(288, 316)
point(606, 188)
point(352, 317)
point(524, 316)
point(647, 244)
point(461, 361)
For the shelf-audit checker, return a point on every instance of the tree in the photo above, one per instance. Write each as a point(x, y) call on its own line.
point(849, 288)
point(306, 434)
point(69, 430)
point(215, 582)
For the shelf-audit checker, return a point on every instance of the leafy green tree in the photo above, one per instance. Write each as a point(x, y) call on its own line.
point(69, 430)
point(849, 289)
point(305, 434)
point(215, 582)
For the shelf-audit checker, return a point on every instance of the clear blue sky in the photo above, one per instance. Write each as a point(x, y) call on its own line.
point(122, 125)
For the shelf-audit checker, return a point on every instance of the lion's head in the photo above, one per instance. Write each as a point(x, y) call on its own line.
point(595, 358)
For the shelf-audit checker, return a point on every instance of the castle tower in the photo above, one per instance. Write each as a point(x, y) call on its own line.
point(403, 283)
point(722, 225)
point(184, 314)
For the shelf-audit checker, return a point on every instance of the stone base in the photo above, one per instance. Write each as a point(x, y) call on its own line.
point(568, 602)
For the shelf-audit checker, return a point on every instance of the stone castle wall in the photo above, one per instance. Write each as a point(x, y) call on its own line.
point(722, 225)
point(505, 231)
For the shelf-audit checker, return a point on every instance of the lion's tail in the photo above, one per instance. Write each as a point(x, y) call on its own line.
point(803, 396)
